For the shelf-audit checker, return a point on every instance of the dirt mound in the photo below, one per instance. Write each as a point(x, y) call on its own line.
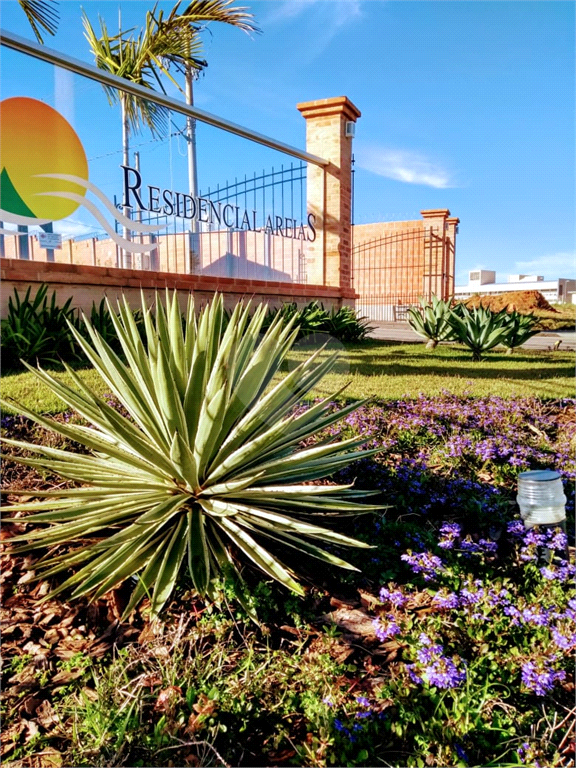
point(522, 301)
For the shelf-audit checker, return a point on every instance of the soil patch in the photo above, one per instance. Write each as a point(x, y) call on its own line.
point(521, 301)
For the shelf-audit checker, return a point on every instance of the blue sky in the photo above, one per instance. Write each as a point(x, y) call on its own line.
point(466, 105)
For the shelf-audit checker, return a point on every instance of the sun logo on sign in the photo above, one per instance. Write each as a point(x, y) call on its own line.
point(44, 171)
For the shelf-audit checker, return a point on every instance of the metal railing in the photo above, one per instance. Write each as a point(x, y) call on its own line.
point(393, 272)
point(183, 246)
point(51, 56)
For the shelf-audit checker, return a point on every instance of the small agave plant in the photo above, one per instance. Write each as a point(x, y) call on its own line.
point(431, 321)
point(519, 329)
point(207, 464)
point(479, 329)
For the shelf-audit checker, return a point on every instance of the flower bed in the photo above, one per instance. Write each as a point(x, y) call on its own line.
point(451, 647)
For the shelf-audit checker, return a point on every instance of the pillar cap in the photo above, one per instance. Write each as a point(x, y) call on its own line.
point(435, 213)
point(324, 107)
point(453, 220)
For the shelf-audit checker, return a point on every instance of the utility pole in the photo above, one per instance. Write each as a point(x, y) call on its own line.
point(138, 256)
point(194, 235)
point(126, 256)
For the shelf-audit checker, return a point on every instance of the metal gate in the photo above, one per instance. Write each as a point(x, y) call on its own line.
point(393, 272)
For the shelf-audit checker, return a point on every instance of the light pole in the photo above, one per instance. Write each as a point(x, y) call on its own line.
point(193, 237)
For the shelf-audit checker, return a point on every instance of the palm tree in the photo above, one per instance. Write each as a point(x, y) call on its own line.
point(179, 45)
point(130, 58)
point(164, 42)
point(41, 14)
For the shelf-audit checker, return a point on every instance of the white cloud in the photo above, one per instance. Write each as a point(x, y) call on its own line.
point(325, 17)
point(341, 11)
point(402, 165)
point(551, 266)
point(70, 229)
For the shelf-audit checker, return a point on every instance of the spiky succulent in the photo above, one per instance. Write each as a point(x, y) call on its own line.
point(519, 328)
point(430, 320)
point(208, 463)
point(479, 329)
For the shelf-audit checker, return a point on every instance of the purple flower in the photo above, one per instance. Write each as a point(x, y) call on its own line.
point(445, 599)
point(490, 547)
point(433, 667)
point(511, 610)
point(449, 533)
point(425, 563)
point(498, 597)
point(564, 635)
point(540, 677)
point(536, 615)
point(385, 627)
point(557, 539)
point(460, 752)
point(363, 701)
point(472, 594)
point(396, 597)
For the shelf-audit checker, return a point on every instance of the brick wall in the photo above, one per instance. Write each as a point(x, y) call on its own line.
point(396, 263)
point(87, 284)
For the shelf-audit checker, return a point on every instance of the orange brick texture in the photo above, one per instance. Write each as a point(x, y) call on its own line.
point(330, 188)
point(87, 284)
point(397, 262)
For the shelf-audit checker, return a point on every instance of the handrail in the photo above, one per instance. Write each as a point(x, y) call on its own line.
point(87, 70)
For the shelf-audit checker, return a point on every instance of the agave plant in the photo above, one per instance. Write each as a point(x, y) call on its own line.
point(36, 329)
point(479, 329)
point(519, 328)
point(431, 321)
point(207, 464)
point(345, 325)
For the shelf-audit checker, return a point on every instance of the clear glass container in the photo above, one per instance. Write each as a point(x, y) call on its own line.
point(541, 497)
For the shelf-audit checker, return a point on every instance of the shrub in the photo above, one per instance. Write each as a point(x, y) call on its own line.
point(431, 321)
point(343, 323)
point(36, 329)
point(205, 465)
point(346, 326)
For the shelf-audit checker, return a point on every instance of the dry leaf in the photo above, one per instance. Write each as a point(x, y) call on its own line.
point(167, 698)
point(46, 715)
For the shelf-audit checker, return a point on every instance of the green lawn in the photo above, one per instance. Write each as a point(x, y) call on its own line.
point(387, 370)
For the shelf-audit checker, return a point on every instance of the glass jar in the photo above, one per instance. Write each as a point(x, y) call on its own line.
point(541, 498)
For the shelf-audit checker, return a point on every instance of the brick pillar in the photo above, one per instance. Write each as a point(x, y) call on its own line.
point(451, 225)
point(435, 252)
point(329, 189)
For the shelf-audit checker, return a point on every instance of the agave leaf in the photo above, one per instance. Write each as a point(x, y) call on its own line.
point(170, 567)
point(71, 509)
point(209, 425)
point(302, 546)
point(273, 520)
point(198, 559)
point(260, 556)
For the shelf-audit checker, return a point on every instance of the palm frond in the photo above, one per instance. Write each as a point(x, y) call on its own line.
point(41, 14)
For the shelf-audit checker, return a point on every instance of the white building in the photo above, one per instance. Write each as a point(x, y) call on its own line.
point(482, 281)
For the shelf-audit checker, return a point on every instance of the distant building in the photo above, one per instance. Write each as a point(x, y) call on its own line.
point(482, 281)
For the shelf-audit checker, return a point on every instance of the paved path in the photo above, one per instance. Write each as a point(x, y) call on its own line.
point(545, 340)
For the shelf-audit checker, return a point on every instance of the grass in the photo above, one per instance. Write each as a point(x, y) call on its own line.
point(564, 318)
point(381, 369)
